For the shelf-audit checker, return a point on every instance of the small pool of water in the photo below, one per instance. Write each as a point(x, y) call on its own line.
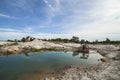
point(13, 65)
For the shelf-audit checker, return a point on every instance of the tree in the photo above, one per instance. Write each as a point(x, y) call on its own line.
point(44, 39)
point(23, 39)
point(107, 40)
point(31, 39)
point(10, 40)
point(82, 41)
point(15, 40)
point(96, 41)
point(75, 39)
point(87, 41)
point(66, 40)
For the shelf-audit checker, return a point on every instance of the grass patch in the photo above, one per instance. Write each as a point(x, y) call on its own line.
point(44, 49)
point(1, 45)
point(35, 50)
point(14, 43)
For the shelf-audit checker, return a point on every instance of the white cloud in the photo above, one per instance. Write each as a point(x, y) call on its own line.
point(105, 10)
point(53, 6)
point(89, 19)
point(100, 20)
point(18, 35)
point(23, 30)
point(12, 35)
point(9, 33)
point(5, 16)
point(6, 29)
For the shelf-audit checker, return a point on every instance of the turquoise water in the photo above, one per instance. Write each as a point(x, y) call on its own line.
point(13, 65)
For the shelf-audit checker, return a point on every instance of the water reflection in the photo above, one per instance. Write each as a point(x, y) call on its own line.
point(75, 53)
point(26, 54)
point(82, 56)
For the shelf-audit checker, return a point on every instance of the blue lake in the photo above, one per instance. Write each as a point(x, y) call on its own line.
point(46, 61)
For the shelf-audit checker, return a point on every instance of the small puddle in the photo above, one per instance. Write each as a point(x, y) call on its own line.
point(14, 65)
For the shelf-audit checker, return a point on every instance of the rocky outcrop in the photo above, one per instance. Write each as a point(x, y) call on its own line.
point(105, 47)
point(35, 45)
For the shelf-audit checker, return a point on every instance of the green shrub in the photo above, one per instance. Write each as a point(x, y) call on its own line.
point(14, 43)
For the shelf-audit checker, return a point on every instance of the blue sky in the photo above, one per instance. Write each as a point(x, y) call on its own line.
point(88, 19)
